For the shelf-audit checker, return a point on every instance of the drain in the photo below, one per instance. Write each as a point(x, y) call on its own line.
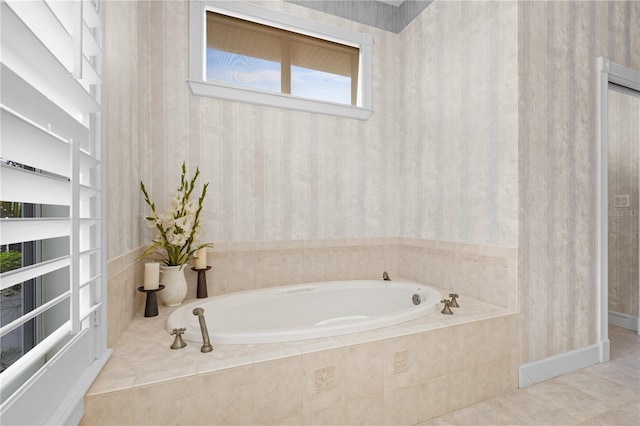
point(416, 299)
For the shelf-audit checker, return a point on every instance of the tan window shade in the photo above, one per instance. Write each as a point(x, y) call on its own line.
point(236, 36)
point(324, 58)
point(288, 49)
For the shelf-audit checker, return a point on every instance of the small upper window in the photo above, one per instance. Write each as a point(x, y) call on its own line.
point(243, 52)
point(257, 56)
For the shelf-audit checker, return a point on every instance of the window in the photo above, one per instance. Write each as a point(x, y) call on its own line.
point(246, 53)
point(253, 55)
point(52, 236)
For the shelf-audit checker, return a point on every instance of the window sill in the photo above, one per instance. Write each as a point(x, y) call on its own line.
point(230, 93)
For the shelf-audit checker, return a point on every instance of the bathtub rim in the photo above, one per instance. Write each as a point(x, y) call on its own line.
point(294, 334)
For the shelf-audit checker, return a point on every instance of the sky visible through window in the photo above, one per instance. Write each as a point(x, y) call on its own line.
point(262, 74)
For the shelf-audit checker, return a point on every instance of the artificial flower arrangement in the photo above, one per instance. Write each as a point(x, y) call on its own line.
point(178, 229)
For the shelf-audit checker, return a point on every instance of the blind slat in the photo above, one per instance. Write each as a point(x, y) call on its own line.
point(32, 314)
point(46, 26)
point(34, 355)
point(89, 281)
point(92, 309)
point(23, 99)
point(62, 10)
point(19, 230)
point(90, 16)
point(23, 52)
point(89, 74)
point(28, 144)
point(20, 185)
point(90, 46)
point(27, 273)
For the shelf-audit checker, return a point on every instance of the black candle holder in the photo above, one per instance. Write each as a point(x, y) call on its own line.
point(202, 282)
point(151, 305)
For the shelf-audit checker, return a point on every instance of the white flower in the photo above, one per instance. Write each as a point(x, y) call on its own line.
point(178, 227)
point(176, 201)
point(190, 208)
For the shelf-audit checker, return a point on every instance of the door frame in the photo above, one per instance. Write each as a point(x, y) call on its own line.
point(608, 72)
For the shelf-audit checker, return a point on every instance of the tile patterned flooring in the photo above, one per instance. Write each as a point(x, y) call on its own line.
point(603, 394)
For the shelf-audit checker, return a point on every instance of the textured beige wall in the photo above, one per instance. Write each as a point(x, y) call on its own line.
point(127, 126)
point(459, 138)
point(274, 174)
point(559, 43)
point(128, 157)
point(624, 143)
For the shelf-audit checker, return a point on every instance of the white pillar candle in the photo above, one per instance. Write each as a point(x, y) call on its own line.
point(201, 258)
point(151, 276)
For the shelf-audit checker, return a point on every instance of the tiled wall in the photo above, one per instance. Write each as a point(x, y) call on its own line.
point(125, 275)
point(459, 138)
point(624, 143)
point(403, 380)
point(558, 46)
point(486, 273)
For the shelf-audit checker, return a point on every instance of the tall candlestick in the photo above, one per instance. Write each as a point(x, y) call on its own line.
point(201, 259)
point(151, 276)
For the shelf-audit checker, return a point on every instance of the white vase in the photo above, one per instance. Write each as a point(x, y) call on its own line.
point(175, 285)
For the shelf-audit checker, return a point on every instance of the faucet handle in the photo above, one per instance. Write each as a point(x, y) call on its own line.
point(178, 343)
point(454, 302)
point(178, 331)
point(447, 307)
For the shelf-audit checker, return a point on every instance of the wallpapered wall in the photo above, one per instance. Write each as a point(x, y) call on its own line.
point(624, 143)
point(274, 174)
point(437, 160)
point(129, 150)
point(559, 43)
point(459, 138)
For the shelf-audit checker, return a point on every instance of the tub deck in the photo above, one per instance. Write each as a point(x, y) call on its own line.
point(142, 357)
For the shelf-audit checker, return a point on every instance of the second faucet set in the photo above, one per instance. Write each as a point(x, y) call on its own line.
point(450, 303)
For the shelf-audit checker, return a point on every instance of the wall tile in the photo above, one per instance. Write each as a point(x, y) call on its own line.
point(400, 362)
point(434, 397)
point(364, 370)
point(324, 380)
point(226, 397)
point(366, 411)
point(166, 403)
point(401, 406)
point(112, 408)
point(278, 390)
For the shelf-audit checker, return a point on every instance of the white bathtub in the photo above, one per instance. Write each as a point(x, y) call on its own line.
point(305, 311)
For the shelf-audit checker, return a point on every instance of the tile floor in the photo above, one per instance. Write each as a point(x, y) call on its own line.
point(603, 394)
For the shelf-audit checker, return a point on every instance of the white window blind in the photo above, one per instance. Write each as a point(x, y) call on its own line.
point(52, 164)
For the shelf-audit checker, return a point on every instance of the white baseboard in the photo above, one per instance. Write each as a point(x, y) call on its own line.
point(557, 365)
point(623, 320)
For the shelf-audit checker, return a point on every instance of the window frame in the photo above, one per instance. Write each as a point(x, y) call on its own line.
point(239, 9)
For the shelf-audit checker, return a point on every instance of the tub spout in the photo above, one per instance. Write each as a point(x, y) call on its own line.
point(385, 276)
point(206, 344)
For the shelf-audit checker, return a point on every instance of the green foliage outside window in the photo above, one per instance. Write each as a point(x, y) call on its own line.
point(10, 260)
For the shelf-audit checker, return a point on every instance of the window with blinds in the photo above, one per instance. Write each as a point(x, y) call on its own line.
point(243, 52)
point(258, 56)
point(52, 199)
